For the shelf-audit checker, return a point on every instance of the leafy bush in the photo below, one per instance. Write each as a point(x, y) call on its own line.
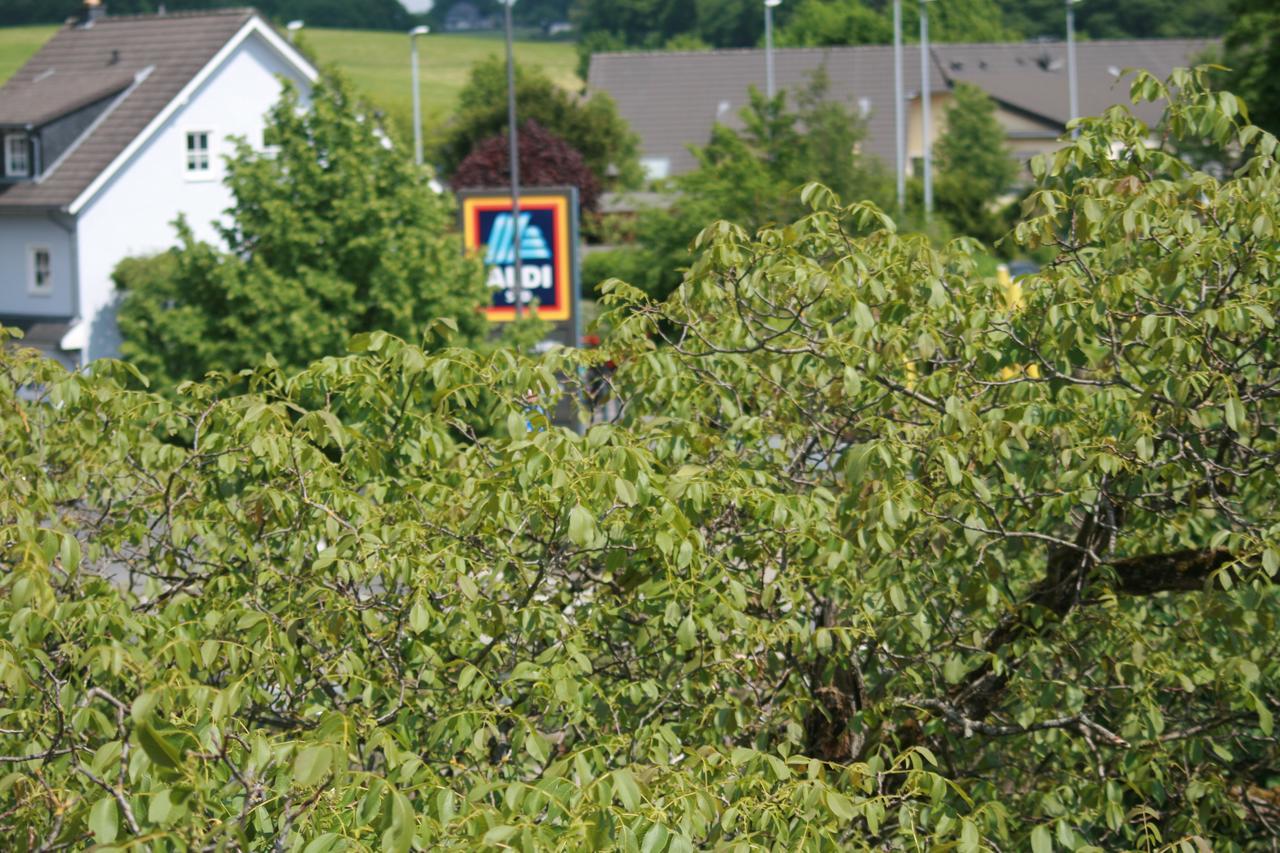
point(546, 160)
point(878, 555)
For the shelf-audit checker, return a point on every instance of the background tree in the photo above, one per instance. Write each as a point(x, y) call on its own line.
point(332, 234)
point(845, 573)
point(750, 175)
point(821, 23)
point(591, 126)
point(1252, 52)
point(546, 160)
point(975, 167)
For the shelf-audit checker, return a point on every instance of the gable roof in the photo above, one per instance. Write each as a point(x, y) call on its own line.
point(672, 99)
point(151, 59)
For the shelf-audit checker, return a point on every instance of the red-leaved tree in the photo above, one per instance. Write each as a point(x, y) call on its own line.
point(546, 160)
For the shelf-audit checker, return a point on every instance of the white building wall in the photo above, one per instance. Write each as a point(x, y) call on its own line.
point(134, 213)
point(18, 235)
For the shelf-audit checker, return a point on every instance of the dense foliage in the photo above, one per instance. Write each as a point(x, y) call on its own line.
point(751, 176)
point(975, 167)
point(876, 555)
point(591, 125)
point(617, 24)
point(332, 232)
point(546, 160)
point(367, 14)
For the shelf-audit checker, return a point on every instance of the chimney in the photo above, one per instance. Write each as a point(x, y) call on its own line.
point(91, 12)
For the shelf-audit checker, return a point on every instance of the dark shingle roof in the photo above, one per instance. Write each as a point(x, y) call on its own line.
point(55, 95)
point(168, 49)
point(1032, 77)
point(672, 99)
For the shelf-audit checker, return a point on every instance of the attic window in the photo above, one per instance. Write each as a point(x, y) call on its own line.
point(198, 152)
point(17, 155)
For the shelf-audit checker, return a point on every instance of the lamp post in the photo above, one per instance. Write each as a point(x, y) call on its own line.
point(293, 27)
point(899, 123)
point(514, 154)
point(1073, 88)
point(417, 94)
point(769, 86)
point(925, 96)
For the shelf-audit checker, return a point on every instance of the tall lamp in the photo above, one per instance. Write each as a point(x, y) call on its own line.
point(769, 85)
point(417, 94)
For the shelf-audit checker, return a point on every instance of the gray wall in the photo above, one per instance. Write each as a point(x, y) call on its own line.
point(17, 234)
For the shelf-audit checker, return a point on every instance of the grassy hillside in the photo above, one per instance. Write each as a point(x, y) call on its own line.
point(377, 63)
point(17, 44)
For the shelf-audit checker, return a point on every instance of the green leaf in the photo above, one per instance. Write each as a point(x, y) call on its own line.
point(498, 834)
point(104, 820)
point(158, 747)
point(311, 765)
point(1235, 414)
point(1041, 839)
point(840, 805)
point(398, 838)
point(624, 783)
point(582, 525)
point(655, 839)
point(687, 634)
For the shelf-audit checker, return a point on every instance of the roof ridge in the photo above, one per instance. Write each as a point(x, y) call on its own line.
point(219, 11)
point(936, 44)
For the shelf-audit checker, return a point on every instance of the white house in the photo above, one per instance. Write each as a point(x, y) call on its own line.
point(114, 128)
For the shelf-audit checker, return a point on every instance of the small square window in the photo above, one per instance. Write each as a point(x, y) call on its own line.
point(198, 152)
point(17, 155)
point(40, 272)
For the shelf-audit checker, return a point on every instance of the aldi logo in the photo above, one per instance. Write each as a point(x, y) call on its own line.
point(488, 228)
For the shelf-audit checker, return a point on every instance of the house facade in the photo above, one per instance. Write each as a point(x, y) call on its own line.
point(673, 99)
point(114, 129)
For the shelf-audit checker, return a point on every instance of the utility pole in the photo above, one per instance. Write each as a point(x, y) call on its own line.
point(925, 105)
point(1073, 88)
point(417, 94)
point(899, 119)
point(513, 138)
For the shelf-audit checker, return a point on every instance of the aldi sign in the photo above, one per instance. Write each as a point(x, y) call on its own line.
point(548, 239)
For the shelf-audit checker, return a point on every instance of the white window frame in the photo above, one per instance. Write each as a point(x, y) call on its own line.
point(192, 157)
point(34, 286)
point(24, 146)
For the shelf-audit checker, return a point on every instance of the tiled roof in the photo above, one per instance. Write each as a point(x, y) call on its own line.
point(169, 49)
point(672, 99)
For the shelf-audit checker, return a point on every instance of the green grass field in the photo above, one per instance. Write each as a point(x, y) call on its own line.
point(378, 64)
point(17, 44)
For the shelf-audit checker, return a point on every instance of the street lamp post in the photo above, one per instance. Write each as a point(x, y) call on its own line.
point(925, 96)
point(1073, 88)
point(417, 94)
point(514, 154)
point(899, 123)
point(769, 84)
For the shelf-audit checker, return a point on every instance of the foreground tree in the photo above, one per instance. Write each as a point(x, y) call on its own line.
point(331, 234)
point(876, 556)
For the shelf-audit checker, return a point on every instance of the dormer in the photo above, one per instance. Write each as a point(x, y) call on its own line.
point(41, 118)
